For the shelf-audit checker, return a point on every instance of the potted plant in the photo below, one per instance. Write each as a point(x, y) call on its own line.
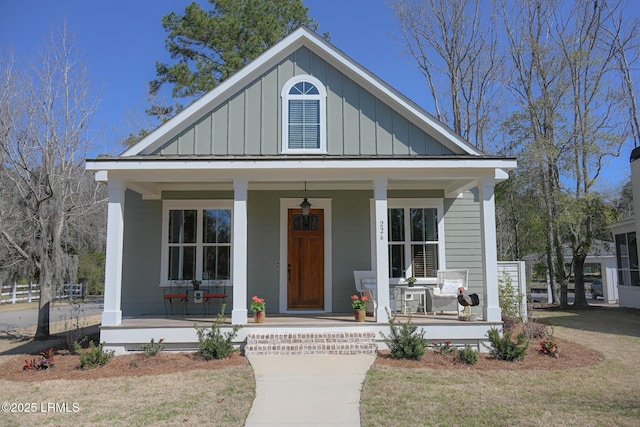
point(196, 284)
point(258, 308)
point(360, 307)
point(411, 281)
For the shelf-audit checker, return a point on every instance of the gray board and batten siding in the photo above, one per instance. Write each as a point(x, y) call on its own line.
point(351, 241)
point(463, 240)
point(250, 121)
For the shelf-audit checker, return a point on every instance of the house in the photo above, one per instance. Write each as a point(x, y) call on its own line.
point(624, 233)
point(217, 192)
point(599, 264)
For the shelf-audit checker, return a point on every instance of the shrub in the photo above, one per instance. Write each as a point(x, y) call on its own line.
point(508, 323)
point(549, 345)
point(403, 341)
point(94, 357)
point(504, 348)
point(534, 330)
point(153, 348)
point(443, 347)
point(75, 325)
point(46, 361)
point(213, 343)
point(508, 296)
point(467, 355)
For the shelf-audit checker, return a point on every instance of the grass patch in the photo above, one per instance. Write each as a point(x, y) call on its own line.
point(602, 394)
point(220, 397)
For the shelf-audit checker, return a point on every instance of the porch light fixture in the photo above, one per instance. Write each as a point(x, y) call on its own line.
point(305, 205)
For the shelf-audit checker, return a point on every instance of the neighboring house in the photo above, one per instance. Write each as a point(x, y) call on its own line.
point(624, 233)
point(602, 254)
point(217, 191)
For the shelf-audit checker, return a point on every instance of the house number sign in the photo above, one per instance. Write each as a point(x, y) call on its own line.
point(381, 230)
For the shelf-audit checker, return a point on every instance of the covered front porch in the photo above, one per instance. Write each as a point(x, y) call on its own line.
point(355, 198)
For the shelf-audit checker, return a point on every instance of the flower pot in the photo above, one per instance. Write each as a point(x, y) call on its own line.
point(360, 315)
point(258, 316)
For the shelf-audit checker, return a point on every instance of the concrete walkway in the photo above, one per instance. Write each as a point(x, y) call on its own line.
point(308, 390)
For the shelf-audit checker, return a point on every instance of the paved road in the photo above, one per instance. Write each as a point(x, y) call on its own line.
point(10, 320)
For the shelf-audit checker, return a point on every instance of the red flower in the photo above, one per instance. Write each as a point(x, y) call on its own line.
point(257, 304)
point(359, 304)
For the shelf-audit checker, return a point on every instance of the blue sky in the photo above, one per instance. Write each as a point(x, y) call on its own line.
point(122, 40)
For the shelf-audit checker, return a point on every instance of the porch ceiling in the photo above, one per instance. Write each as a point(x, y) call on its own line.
point(153, 190)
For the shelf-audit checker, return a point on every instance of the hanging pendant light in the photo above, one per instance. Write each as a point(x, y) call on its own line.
point(305, 205)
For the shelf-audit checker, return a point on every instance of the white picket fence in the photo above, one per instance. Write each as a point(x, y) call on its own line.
point(31, 292)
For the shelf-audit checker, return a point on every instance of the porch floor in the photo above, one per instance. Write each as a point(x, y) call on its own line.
point(279, 320)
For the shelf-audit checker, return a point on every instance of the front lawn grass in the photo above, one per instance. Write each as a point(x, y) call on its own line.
point(220, 397)
point(605, 394)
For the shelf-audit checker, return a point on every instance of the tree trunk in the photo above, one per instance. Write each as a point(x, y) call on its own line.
point(44, 306)
point(579, 291)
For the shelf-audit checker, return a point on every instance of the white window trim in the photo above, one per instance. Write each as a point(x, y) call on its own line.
point(285, 113)
point(199, 205)
point(419, 204)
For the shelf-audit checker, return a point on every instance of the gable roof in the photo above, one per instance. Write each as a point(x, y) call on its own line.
point(309, 39)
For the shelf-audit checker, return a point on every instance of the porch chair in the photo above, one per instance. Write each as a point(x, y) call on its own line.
point(444, 297)
point(177, 291)
point(366, 286)
point(216, 290)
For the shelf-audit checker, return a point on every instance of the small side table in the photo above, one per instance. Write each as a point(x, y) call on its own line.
point(405, 294)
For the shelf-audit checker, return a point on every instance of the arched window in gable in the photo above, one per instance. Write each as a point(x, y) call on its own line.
point(304, 116)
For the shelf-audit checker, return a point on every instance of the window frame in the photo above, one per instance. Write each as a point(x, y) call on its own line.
point(408, 204)
point(321, 97)
point(626, 273)
point(199, 206)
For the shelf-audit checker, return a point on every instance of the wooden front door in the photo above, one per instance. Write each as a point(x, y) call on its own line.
point(305, 269)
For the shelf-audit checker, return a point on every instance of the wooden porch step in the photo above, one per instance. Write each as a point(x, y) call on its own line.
point(296, 343)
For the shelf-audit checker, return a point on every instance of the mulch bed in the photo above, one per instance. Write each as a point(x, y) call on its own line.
point(67, 366)
point(571, 355)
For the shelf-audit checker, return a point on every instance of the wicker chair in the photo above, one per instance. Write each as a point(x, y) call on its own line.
point(444, 297)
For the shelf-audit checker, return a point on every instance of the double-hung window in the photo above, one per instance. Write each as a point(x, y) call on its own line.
point(627, 254)
point(303, 112)
point(196, 241)
point(415, 241)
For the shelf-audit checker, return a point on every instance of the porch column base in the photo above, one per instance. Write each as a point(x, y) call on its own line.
point(239, 316)
point(381, 315)
point(112, 318)
point(492, 314)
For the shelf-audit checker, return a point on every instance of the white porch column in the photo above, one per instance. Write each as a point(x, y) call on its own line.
point(381, 248)
point(112, 313)
point(239, 313)
point(491, 308)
